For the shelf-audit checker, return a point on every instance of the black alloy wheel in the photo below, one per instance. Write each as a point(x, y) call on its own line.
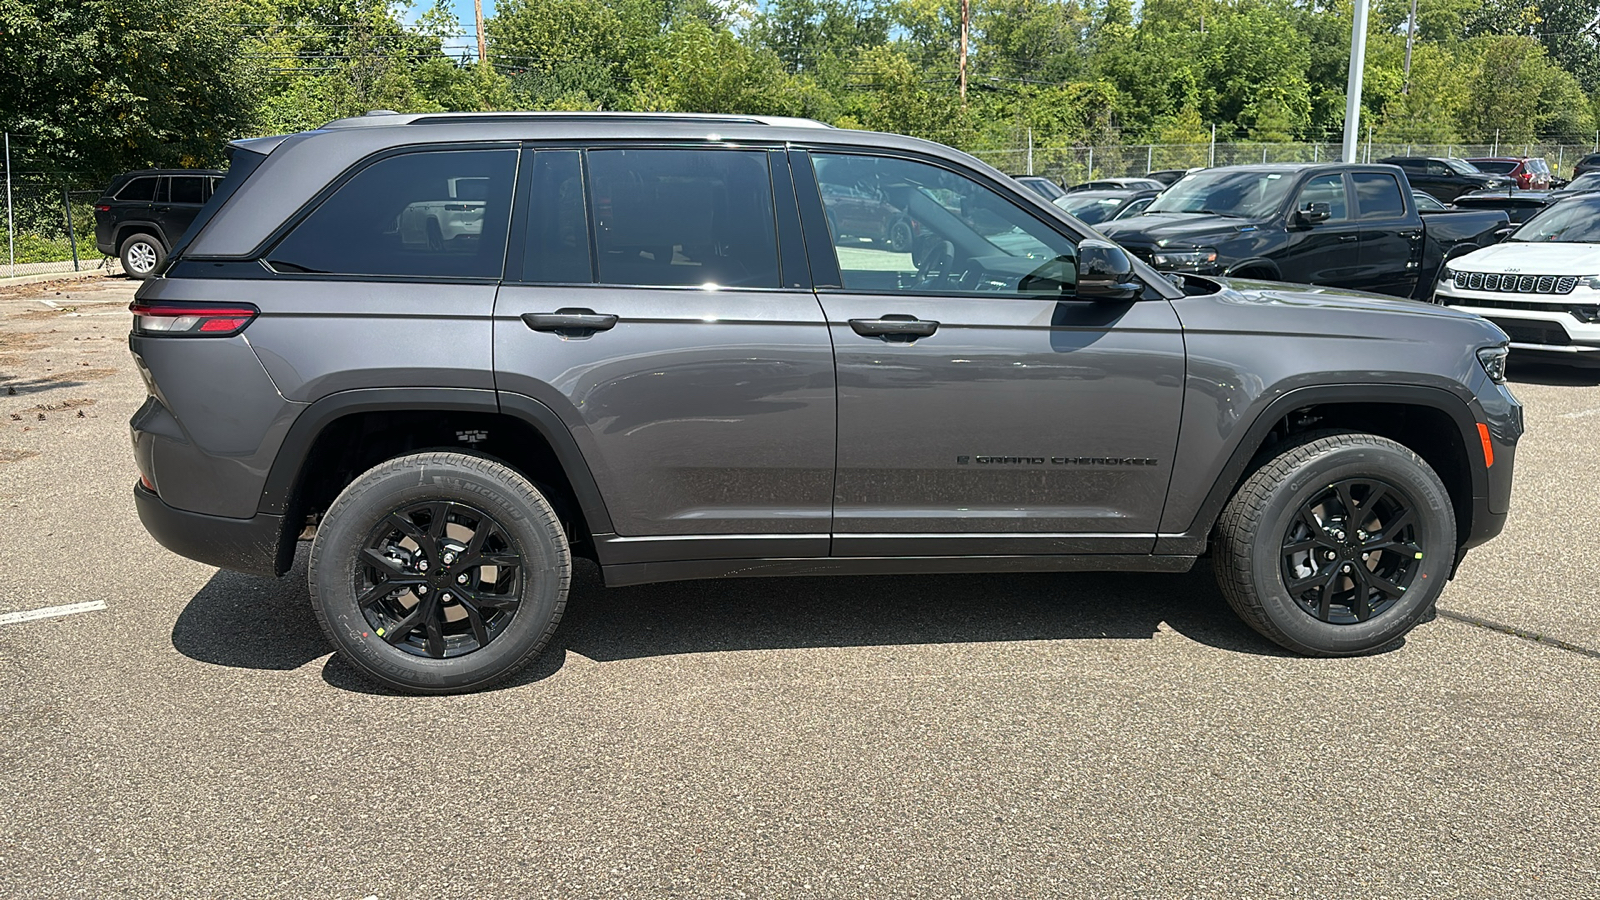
point(1351, 551)
point(441, 579)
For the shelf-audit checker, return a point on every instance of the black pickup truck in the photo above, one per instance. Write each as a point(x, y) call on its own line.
point(1335, 224)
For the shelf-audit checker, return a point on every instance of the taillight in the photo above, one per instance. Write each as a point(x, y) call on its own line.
point(180, 318)
point(100, 207)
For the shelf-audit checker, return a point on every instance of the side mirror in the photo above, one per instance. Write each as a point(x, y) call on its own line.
point(1315, 212)
point(1105, 272)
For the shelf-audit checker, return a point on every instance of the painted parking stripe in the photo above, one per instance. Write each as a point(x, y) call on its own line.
point(50, 611)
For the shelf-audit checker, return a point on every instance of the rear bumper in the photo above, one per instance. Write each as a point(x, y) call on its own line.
point(254, 546)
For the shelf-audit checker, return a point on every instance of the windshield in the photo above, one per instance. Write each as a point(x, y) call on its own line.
point(1496, 166)
point(1588, 181)
point(1462, 167)
point(1576, 221)
point(1090, 210)
point(1227, 192)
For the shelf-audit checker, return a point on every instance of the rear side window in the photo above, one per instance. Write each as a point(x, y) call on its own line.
point(188, 189)
point(1378, 196)
point(684, 217)
point(434, 214)
point(558, 224)
point(139, 189)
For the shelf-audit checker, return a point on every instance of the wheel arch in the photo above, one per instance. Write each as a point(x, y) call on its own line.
point(1434, 423)
point(342, 435)
point(1255, 264)
point(129, 229)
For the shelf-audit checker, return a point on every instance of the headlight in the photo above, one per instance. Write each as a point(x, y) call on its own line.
point(1447, 275)
point(1183, 259)
point(1592, 282)
point(1494, 362)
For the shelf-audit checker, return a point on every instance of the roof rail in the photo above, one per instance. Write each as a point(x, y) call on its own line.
point(485, 118)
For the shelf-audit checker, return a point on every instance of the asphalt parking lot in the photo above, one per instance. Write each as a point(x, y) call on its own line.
point(983, 736)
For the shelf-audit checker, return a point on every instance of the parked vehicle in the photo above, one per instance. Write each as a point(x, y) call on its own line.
point(1531, 173)
point(1097, 207)
point(1118, 184)
point(1044, 187)
point(1335, 224)
point(1427, 202)
point(1446, 178)
point(141, 215)
point(861, 212)
point(1583, 184)
point(657, 355)
point(1518, 205)
point(1541, 286)
point(1590, 163)
point(1168, 176)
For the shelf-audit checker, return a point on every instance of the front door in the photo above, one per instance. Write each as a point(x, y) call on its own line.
point(1325, 252)
point(983, 408)
point(646, 304)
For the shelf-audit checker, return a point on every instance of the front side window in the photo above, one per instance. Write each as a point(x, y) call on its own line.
point(1378, 196)
point(433, 214)
point(900, 225)
point(684, 218)
point(1327, 189)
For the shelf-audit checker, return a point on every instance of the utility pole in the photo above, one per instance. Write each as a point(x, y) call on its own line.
point(483, 48)
point(1352, 100)
point(966, 15)
point(1411, 36)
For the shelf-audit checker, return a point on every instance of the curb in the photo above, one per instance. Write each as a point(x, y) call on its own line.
point(97, 272)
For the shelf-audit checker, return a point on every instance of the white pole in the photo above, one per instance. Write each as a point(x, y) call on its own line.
point(1352, 100)
point(1149, 158)
point(1496, 150)
point(1091, 163)
point(1030, 151)
point(11, 222)
point(1369, 143)
point(1213, 159)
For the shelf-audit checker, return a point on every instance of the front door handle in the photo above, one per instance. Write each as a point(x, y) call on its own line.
point(1347, 238)
point(570, 322)
point(894, 327)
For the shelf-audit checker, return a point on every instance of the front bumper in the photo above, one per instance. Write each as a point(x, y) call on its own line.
point(1561, 326)
point(255, 546)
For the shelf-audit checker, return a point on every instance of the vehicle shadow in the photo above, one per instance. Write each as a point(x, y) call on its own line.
point(1551, 374)
point(243, 621)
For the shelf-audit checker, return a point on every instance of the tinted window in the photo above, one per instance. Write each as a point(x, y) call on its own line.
point(1406, 163)
point(1570, 221)
point(558, 224)
point(1439, 169)
point(187, 189)
point(1327, 189)
point(1251, 193)
point(1378, 196)
point(684, 217)
point(963, 237)
point(1495, 166)
point(139, 189)
point(402, 216)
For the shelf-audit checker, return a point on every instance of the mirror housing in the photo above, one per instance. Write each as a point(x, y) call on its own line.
point(1105, 272)
point(1315, 212)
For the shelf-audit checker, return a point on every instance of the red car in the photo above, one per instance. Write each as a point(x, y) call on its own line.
point(1531, 172)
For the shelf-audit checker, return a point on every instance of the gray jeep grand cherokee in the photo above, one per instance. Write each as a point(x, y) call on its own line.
point(453, 350)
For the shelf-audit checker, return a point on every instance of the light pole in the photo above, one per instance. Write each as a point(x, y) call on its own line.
point(477, 9)
point(1352, 102)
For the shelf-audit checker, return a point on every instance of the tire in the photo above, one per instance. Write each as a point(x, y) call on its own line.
point(435, 235)
point(1272, 563)
point(499, 533)
point(901, 236)
point(142, 255)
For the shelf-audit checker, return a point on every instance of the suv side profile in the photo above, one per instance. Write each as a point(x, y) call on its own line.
point(654, 351)
point(141, 215)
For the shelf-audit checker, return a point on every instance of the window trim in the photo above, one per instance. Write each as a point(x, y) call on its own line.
point(287, 226)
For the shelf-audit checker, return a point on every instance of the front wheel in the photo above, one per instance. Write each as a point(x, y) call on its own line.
point(440, 572)
point(1338, 546)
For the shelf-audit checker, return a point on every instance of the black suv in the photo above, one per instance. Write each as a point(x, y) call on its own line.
point(141, 215)
point(1446, 177)
point(455, 350)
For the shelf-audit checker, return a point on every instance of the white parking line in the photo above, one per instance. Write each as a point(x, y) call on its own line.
point(49, 611)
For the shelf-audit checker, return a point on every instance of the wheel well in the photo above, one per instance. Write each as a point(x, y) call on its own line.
point(1254, 270)
point(128, 231)
point(352, 444)
point(1429, 432)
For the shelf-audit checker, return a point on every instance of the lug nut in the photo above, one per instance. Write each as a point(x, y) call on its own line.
point(444, 598)
point(449, 558)
point(422, 566)
point(421, 589)
point(462, 578)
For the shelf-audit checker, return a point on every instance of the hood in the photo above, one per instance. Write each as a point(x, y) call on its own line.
point(1309, 296)
point(1177, 229)
point(1532, 258)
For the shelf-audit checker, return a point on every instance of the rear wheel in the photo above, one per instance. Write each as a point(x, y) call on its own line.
point(141, 254)
point(1338, 546)
point(440, 572)
point(901, 235)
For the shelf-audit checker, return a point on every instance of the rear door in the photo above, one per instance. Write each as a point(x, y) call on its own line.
point(660, 305)
point(983, 407)
point(1390, 257)
point(184, 196)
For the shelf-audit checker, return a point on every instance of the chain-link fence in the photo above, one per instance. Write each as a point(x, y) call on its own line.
point(49, 229)
point(1074, 165)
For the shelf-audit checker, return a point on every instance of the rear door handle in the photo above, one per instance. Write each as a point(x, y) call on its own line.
point(1346, 238)
point(894, 326)
point(570, 322)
